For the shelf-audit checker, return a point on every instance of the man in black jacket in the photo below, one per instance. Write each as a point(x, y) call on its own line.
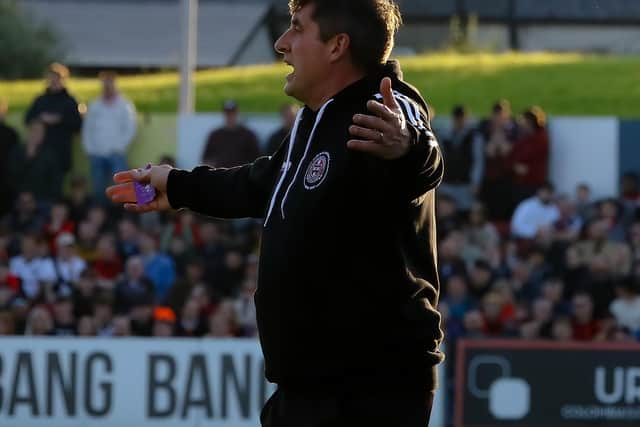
point(58, 110)
point(347, 288)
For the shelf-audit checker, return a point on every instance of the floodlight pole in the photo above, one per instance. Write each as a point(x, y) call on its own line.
point(189, 54)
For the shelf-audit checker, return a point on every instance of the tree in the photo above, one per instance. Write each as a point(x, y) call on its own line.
point(26, 46)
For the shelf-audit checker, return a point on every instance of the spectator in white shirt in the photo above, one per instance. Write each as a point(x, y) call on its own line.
point(535, 214)
point(35, 272)
point(69, 266)
point(626, 307)
point(108, 130)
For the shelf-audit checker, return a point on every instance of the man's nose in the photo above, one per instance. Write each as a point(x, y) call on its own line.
point(281, 45)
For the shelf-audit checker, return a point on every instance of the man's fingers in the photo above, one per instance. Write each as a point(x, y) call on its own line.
point(366, 134)
point(371, 122)
point(381, 110)
point(139, 175)
point(366, 147)
point(387, 94)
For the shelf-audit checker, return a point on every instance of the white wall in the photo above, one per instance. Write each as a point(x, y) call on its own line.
point(591, 38)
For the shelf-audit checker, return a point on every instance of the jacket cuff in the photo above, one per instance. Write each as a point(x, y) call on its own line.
point(179, 188)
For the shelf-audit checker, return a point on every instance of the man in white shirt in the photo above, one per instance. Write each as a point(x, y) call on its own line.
point(626, 307)
point(35, 272)
point(108, 130)
point(68, 265)
point(535, 213)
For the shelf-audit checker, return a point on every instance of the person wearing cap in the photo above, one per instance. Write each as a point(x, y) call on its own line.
point(69, 266)
point(233, 144)
point(164, 322)
point(463, 150)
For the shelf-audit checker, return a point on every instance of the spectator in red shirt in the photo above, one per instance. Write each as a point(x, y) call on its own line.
point(59, 223)
point(530, 156)
point(585, 327)
point(108, 264)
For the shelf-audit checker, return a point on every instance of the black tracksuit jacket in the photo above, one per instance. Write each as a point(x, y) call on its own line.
point(348, 286)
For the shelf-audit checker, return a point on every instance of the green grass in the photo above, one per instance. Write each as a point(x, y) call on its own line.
point(563, 84)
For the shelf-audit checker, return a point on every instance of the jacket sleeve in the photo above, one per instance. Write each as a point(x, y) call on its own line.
point(422, 168)
point(238, 192)
point(71, 118)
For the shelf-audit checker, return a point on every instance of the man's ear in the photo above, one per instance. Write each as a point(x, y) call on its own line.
point(339, 47)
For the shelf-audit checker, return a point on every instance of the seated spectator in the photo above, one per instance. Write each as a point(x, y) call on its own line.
point(59, 223)
point(480, 232)
point(568, 226)
point(611, 212)
point(585, 327)
point(463, 152)
point(158, 267)
point(39, 322)
point(457, 299)
point(63, 319)
point(447, 215)
point(79, 200)
point(561, 329)
point(450, 256)
point(179, 293)
point(108, 264)
point(245, 310)
point(223, 322)
point(474, 324)
point(128, 235)
point(535, 213)
point(184, 227)
point(164, 322)
point(36, 273)
point(86, 327)
point(288, 113)
point(630, 188)
point(7, 324)
point(85, 293)
point(26, 216)
point(530, 155)
point(121, 326)
point(135, 289)
point(231, 145)
point(67, 264)
point(553, 291)
point(103, 308)
point(141, 316)
point(626, 307)
point(35, 168)
point(190, 322)
point(87, 245)
point(583, 202)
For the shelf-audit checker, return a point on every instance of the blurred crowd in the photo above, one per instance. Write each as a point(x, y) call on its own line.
point(517, 260)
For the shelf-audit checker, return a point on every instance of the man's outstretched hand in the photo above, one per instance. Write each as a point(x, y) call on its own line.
point(123, 191)
point(384, 134)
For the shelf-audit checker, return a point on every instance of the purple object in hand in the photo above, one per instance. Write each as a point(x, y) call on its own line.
point(145, 193)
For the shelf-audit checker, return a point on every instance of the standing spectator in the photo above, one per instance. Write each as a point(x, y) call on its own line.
point(463, 153)
point(35, 168)
point(498, 133)
point(288, 113)
point(233, 144)
point(108, 130)
point(35, 272)
point(8, 141)
point(59, 112)
point(535, 213)
point(530, 156)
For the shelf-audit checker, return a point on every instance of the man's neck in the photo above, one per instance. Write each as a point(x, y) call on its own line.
point(336, 83)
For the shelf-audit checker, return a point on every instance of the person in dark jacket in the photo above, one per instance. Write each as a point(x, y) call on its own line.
point(347, 294)
point(58, 110)
point(34, 168)
point(9, 139)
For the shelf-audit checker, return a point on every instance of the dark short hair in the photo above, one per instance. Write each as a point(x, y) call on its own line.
point(459, 111)
point(500, 106)
point(370, 24)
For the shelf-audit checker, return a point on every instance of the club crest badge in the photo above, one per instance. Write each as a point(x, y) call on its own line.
point(317, 171)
